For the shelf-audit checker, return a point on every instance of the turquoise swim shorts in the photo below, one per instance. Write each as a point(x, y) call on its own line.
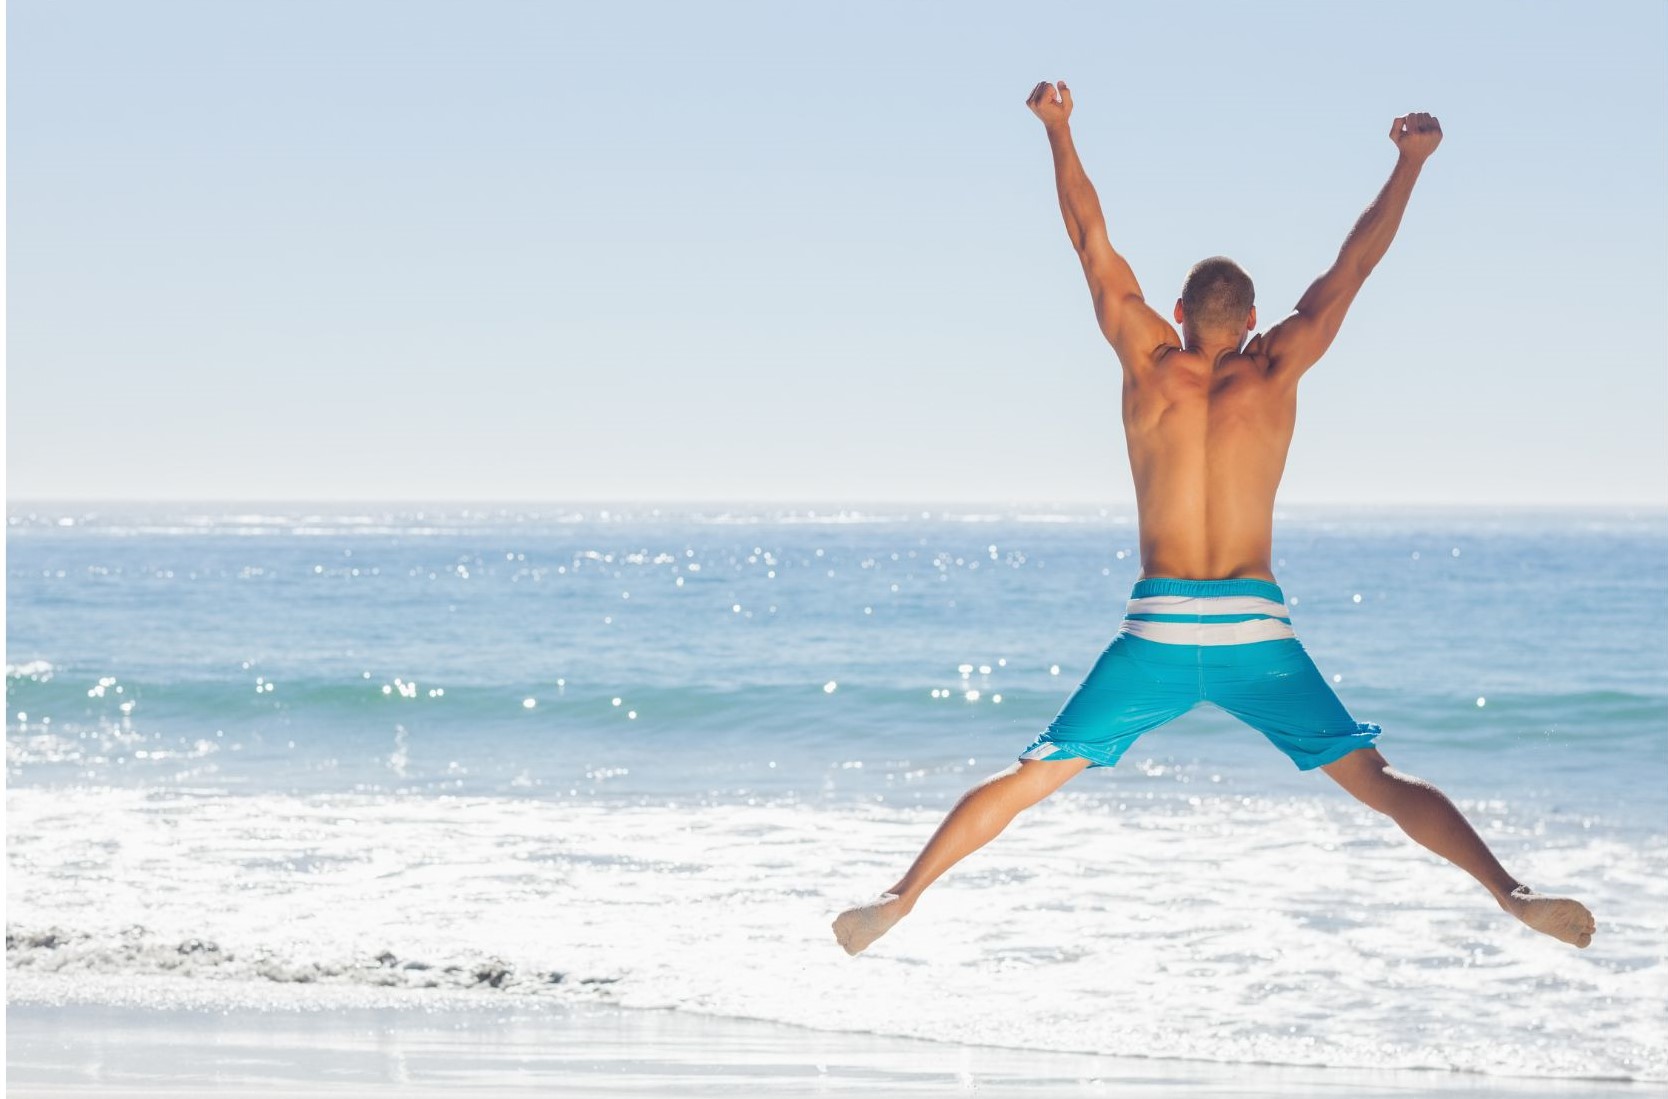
point(1183, 642)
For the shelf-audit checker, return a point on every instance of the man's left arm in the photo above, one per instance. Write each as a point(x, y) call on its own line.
point(1133, 327)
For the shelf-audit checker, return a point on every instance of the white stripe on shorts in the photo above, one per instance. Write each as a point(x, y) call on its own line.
point(1208, 633)
point(1206, 604)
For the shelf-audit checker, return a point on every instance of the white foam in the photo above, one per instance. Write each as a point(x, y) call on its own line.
point(1293, 931)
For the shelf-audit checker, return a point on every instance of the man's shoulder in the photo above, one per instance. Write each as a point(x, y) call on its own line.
point(1258, 359)
point(1164, 355)
point(1143, 344)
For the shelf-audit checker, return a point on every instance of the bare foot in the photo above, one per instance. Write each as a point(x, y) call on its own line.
point(857, 927)
point(1560, 917)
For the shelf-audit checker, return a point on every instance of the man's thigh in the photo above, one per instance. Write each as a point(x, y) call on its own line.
point(1275, 687)
point(1041, 777)
point(1132, 688)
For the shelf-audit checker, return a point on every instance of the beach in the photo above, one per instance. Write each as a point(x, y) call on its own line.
point(509, 1048)
point(523, 517)
point(364, 797)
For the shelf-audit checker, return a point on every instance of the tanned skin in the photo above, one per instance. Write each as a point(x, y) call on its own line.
point(1208, 417)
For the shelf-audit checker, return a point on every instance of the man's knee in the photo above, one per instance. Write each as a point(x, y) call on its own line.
point(1038, 778)
point(1365, 775)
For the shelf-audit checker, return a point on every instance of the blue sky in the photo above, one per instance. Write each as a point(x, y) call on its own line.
point(520, 251)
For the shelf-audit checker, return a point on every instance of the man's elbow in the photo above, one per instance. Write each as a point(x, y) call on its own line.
point(1088, 236)
point(1358, 264)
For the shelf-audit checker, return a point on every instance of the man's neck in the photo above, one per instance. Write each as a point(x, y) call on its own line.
point(1211, 345)
point(1212, 351)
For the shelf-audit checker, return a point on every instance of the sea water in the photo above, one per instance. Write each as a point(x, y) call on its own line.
point(644, 754)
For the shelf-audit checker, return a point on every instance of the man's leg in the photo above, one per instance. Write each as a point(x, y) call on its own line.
point(1426, 814)
point(976, 819)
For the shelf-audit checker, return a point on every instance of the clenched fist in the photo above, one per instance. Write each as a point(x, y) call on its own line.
point(1416, 135)
point(1052, 109)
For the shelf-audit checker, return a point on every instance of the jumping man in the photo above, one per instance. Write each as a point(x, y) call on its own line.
point(1208, 418)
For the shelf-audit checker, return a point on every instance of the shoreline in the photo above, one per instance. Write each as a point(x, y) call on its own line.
point(193, 1041)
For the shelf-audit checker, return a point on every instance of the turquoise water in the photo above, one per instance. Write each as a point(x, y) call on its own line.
point(250, 723)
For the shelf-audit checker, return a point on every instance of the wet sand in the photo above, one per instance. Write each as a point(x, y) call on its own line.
point(128, 1052)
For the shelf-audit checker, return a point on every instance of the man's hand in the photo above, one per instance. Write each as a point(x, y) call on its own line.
point(1051, 108)
point(1416, 135)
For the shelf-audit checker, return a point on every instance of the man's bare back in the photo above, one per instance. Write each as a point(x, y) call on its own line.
point(1207, 445)
point(1208, 418)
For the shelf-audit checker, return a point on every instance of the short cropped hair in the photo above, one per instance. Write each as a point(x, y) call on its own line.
point(1217, 296)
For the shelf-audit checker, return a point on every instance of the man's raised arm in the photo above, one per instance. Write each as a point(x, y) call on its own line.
point(1296, 343)
point(1132, 327)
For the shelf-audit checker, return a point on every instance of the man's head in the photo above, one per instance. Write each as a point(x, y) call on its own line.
point(1217, 303)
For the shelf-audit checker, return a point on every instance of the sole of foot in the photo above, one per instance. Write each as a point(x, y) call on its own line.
point(1563, 918)
point(862, 924)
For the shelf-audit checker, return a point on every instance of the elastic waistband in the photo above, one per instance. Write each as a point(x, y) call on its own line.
point(1233, 585)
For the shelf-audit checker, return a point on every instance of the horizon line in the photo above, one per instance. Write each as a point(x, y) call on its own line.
point(849, 502)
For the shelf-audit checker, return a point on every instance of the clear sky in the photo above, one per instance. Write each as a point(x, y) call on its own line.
point(562, 251)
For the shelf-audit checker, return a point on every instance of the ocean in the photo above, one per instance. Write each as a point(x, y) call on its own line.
point(641, 756)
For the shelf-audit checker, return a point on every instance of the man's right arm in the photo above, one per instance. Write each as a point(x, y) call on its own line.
point(1131, 326)
point(1298, 342)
